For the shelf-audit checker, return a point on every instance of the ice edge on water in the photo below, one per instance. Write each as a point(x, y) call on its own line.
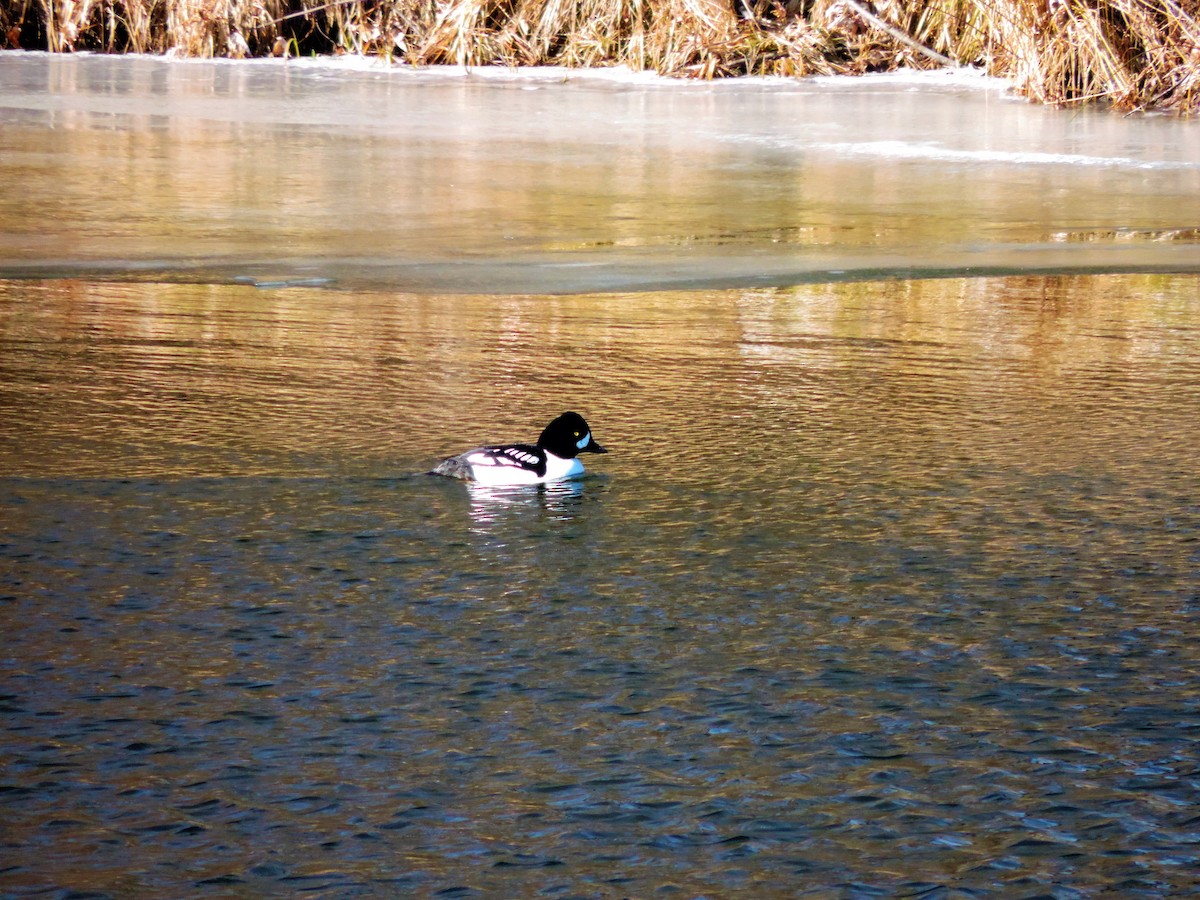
point(568, 274)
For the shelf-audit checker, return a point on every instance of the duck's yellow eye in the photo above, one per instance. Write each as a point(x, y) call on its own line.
point(577, 434)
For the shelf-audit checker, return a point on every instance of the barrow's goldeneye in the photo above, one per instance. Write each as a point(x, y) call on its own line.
point(553, 458)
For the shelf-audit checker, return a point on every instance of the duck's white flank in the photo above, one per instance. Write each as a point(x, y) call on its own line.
point(485, 470)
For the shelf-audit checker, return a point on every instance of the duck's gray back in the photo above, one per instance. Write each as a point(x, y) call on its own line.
point(454, 467)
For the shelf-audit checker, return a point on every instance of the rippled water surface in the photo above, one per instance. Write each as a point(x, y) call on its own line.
point(886, 587)
point(882, 586)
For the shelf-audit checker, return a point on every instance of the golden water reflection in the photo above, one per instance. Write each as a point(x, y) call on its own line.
point(114, 379)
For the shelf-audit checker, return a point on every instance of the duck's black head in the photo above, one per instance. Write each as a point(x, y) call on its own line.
point(568, 436)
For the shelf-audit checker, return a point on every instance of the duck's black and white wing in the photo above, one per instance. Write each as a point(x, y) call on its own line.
point(516, 462)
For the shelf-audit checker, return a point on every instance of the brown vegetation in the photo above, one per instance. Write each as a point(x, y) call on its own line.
point(1135, 54)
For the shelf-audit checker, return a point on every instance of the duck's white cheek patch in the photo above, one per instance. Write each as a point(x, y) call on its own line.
point(583, 441)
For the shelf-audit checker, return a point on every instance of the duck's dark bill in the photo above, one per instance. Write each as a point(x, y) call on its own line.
point(593, 447)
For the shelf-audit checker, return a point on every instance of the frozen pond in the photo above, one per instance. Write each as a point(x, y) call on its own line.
point(888, 586)
point(498, 183)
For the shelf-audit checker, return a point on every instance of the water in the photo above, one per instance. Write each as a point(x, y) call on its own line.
point(886, 587)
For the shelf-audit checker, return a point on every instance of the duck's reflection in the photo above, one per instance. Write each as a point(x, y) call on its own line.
point(492, 505)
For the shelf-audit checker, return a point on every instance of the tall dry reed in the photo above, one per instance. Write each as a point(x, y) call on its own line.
point(1134, 54)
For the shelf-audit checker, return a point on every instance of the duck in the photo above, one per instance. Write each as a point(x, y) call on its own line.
point(553, 458)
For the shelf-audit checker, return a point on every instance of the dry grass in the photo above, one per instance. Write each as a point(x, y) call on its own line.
point(1134, 54)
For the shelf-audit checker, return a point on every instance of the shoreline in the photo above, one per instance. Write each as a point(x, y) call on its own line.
point(1127, 55)
point(959, 77)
